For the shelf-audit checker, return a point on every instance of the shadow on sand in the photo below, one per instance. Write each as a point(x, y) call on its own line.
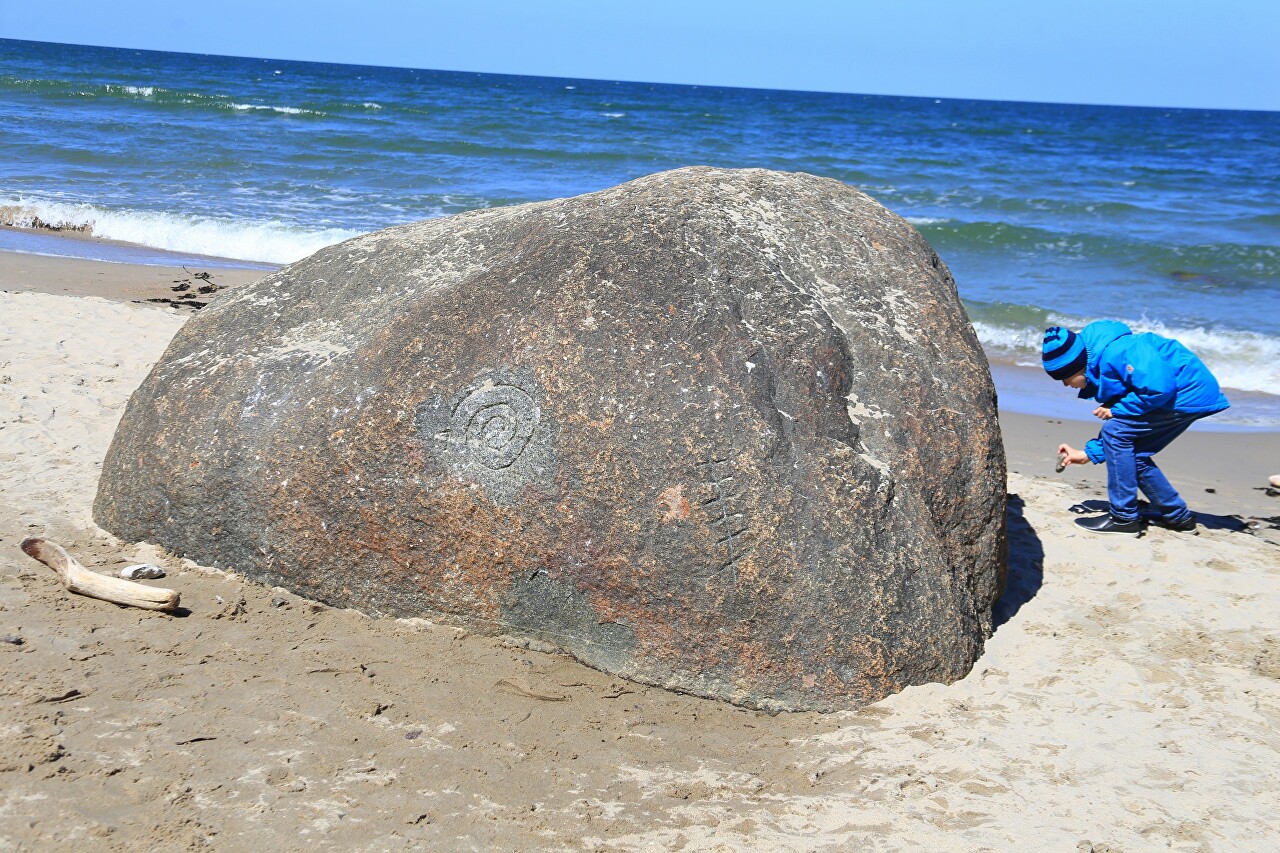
point(1206, 520)
point(1026, 554)
point(1026, 564)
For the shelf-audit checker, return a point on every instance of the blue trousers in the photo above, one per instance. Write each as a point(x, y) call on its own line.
point(1129, 444)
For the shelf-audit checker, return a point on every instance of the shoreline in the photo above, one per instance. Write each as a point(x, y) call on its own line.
point(117, 282)
point(52, 242)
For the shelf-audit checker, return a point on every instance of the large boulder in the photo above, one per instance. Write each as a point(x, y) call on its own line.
point(728, 432)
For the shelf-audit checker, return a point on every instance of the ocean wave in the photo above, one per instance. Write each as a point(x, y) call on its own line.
point(144, 91)
point(1207, 263)
point(290, 111)
point(79, 88)
point(270, 242)
point(153, 94)
point(1243, 360)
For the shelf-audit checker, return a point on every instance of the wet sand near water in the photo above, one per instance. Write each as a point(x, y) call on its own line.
point(21, 272)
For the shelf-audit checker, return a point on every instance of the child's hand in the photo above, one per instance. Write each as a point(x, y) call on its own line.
point(1102, 413)
point(1071, 456)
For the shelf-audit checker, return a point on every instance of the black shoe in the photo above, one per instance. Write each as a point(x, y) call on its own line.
point(1187, 525)
point(1109, 524)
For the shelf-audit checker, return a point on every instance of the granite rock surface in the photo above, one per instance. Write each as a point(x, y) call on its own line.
point(727, 432)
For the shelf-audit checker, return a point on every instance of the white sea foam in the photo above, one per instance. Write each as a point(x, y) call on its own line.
point(144, 91)
point(925, 220)
point(1246, 361)
point(272, 242)
point(371, 105)
point(613, 115)
point(292, 111)
point(1010, 342)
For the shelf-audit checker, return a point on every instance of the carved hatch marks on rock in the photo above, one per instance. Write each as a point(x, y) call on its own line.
point(726, 518)
point(494, 423)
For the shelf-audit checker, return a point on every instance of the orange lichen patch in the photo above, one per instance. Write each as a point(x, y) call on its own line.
point(747, 572)
point(471, 550)
point(449, 550)
point(870, 654)
point(869, 657)
point(610, 600)
point(755, 657)
point(673, 505)
point(602, 424)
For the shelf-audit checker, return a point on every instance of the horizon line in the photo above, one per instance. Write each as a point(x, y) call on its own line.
point(935, 98)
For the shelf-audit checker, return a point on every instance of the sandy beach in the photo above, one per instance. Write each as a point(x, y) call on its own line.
point(1129, 699)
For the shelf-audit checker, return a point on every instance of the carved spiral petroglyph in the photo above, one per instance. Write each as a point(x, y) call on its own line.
point(494, 423)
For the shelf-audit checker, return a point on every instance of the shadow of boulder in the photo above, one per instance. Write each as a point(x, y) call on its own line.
point(1026, 564)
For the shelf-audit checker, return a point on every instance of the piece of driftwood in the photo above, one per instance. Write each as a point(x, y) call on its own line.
point(80, 580)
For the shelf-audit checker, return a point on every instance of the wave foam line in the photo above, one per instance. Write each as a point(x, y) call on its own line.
point(1245, 361)
point(289, 111)
point(270, 242)
point(144, 91)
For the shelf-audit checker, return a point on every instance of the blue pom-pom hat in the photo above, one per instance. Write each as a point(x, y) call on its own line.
point(1063, 353)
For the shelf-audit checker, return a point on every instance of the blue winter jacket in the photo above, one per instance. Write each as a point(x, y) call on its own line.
point(1138, 375)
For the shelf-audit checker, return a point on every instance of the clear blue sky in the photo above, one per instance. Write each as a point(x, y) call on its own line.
point(1194, 53)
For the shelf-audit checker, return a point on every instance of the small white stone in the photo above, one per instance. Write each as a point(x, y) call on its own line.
point(142, 571)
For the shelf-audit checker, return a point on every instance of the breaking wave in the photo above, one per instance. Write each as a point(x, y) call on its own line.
point(1246, 361)
point(270, 242)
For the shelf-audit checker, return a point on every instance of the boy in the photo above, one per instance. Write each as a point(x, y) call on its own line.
point(1150, 389)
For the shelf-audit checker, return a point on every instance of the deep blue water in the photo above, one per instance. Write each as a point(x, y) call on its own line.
point(1169, 219)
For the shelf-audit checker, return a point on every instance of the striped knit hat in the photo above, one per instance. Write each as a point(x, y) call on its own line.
point(1063, 353)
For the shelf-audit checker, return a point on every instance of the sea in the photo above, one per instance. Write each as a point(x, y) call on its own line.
point(1167, 219)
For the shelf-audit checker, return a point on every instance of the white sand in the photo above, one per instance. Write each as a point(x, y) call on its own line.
point(1130, 700)
point(67, 368)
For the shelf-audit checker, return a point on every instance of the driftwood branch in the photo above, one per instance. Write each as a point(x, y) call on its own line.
point(80, 580)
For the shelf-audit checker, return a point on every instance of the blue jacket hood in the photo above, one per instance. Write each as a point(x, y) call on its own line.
point(1135, 374)
point(1097, 336)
